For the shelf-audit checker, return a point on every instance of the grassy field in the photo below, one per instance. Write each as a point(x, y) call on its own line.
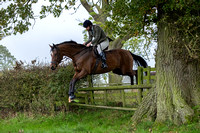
point(86, 121)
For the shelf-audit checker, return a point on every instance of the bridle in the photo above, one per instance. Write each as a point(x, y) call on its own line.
point(82, 51)
point(58, 55)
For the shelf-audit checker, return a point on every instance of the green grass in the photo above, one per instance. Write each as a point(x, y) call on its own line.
point(167, 127)
point(82, 121)
point(88, 121)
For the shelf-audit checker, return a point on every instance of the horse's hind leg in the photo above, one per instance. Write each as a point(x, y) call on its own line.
point(132, 80)
point(134, 73)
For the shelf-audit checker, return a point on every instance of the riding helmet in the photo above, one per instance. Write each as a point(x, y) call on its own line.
point(87, 23)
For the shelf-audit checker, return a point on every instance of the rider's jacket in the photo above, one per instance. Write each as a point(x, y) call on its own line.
point(96, 35)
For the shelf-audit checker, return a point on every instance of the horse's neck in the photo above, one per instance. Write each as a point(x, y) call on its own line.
point(69, 50)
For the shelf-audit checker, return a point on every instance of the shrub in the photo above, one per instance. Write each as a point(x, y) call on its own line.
point(36, 89)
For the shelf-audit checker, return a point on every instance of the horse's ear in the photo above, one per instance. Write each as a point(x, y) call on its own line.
point(50, 46)
point(54, 45)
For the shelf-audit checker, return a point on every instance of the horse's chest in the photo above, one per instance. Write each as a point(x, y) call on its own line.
point(77, 66)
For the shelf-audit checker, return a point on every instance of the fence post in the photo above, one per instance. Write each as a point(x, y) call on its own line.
point(140, 82)
point(148, 74)
point(89, 79)
point(105, 97)
point(123, 98)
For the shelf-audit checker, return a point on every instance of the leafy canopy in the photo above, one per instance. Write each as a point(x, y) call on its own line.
point(140, 17)
point(16, 16)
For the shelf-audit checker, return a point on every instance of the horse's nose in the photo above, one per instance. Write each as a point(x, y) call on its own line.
point(53, 68)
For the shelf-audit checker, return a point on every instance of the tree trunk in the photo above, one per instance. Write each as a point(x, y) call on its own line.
point(177, 87)
point(178, 81)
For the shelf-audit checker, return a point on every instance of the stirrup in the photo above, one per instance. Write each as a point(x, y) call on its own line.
point(104, 65)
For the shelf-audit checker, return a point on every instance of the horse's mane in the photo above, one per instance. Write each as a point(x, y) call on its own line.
point(72, 44)
point(67, 42)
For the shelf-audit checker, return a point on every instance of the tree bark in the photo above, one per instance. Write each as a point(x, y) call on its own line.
point(147, 109)
point(177, 78)
point(178, 81)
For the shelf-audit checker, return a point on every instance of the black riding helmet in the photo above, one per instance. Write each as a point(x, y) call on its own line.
point(87, 23)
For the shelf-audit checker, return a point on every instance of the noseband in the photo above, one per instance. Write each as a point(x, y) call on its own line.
point(54, 62)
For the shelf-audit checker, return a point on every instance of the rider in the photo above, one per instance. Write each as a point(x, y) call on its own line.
point(98, 38)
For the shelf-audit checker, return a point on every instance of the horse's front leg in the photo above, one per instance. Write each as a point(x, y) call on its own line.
point(71, 89)
point(76, 77)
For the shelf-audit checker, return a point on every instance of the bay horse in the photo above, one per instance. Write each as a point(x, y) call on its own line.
point(84, 59)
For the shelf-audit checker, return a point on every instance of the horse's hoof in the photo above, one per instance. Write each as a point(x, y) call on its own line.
point(70, 100)
point(73, 100)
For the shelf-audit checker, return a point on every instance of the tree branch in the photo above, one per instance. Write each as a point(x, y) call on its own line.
point(89, 8)
point(117, 43)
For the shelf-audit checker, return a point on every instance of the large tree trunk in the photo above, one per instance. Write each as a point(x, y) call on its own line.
point(177, 87)
point(178, 81)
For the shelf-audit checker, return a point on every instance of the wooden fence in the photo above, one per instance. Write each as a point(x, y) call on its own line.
point(87, 96)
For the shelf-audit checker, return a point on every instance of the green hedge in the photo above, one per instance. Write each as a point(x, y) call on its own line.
point(36, 89)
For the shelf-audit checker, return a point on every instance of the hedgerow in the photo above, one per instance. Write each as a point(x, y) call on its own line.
point(36, 89)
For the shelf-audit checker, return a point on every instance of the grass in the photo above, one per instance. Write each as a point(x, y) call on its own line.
point(88, 121)
point(81, 121)
point(147, 127)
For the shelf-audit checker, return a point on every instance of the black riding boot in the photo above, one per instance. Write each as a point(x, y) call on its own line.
point(103, 60)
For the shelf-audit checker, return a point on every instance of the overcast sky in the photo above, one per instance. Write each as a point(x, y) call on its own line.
point(34, 44)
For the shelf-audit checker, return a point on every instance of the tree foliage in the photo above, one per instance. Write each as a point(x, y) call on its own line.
point(6, 59)
point(140, 17)
point(15, 16)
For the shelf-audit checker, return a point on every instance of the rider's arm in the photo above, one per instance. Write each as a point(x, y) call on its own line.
point(90, 38)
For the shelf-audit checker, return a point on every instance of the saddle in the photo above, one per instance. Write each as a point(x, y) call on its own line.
point(96, 52)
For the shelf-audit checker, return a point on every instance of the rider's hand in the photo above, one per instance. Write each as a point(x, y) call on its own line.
point(89, 44)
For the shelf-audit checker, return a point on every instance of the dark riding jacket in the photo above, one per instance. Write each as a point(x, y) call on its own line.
point(98, 34)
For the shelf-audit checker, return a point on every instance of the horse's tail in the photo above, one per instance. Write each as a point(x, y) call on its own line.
point(139, 60)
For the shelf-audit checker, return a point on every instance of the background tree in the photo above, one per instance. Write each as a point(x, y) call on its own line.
point(175, 26)
point(6, 59)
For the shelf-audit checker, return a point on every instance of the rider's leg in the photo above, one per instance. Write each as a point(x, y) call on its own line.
point(103, 59)
point(100, 49)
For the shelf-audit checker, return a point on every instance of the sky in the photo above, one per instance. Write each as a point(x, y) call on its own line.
point(34, 44)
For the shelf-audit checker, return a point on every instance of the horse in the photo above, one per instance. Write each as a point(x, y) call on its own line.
point(84, 60)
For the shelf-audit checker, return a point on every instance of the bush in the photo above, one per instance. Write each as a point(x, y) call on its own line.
point(35, 89)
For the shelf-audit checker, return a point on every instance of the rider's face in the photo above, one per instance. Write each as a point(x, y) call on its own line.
point(88, 28)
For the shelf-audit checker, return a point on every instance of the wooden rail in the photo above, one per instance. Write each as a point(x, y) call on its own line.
point(115, 88)
point(104, 107)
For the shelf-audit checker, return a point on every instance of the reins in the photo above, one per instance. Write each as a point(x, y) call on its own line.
point(81, 53)
point(82, 50)
point(58, 55)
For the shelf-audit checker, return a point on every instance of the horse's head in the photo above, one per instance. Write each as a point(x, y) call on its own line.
point(56, 57)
